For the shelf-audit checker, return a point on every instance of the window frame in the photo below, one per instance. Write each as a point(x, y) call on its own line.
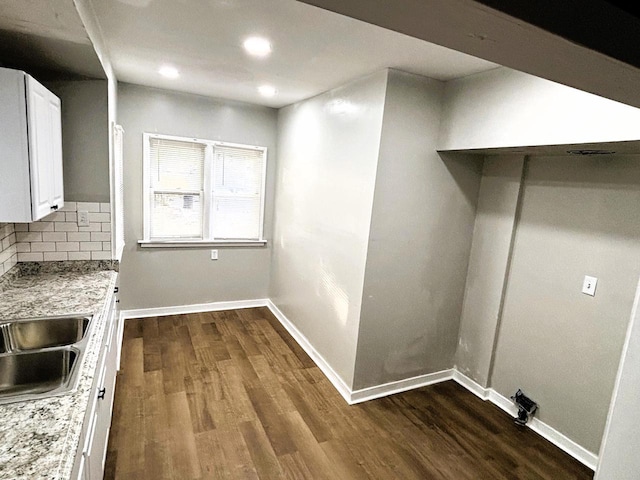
point(207, 196)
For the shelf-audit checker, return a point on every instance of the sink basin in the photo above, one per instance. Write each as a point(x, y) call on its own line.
point(44, 332)
point(40, 357)
point(33, 373)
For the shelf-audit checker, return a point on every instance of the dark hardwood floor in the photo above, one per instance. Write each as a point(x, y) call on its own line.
point(231, 395)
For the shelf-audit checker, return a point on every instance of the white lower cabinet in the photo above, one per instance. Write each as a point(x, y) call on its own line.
point(92, 451)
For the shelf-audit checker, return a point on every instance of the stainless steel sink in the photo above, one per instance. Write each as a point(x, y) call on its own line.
point(33, 373)
point(36, 333)
point(41, 357)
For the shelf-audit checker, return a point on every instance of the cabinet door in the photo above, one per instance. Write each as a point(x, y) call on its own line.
point(102, 420)
point(40, 148)
point(94, 466)
point(45, 150)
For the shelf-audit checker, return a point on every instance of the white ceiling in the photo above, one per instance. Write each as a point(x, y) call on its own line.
point(46, 36)
point(313, 50)
point(52, 19)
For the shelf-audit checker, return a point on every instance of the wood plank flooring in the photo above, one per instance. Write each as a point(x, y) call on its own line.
point(230, 395)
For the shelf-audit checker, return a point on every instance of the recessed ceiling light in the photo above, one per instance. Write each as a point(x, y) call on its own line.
point(267, 90)
point(257, 46)
point(169, 71)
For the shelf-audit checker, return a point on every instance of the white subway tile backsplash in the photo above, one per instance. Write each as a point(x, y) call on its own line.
point(8, 247)
point(54, 237)
point(69, 207)
point(99, 217)
point(7, 265)
point(66, 227)
point(41, 226)
point(57, 237)
point(90, 246)
point(7, 254)
point(23, 247)
point(79, 255)
point(88, 207)
point(79, 236)
point(43, 247)
point(30, 257)
point(29, 236)
point(100, 237)
point(55, 217)
point(55, 256)
point(67, 246)
point(93, 227)
point(8, 251)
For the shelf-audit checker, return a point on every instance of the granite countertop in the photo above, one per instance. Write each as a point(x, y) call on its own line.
point(39, 438)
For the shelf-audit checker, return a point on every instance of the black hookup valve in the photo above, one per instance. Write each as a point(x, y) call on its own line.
point(526, 407)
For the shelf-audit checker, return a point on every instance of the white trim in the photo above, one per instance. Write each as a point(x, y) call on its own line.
point(398, 386)
point(195, 308)
point(332, 376)
point(200, 243)
point(146, 185)
point(207, 193)
point(471, 385)
point(364, 394)
point(549, 433)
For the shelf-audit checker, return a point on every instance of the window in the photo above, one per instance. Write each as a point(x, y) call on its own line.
point(202, 191)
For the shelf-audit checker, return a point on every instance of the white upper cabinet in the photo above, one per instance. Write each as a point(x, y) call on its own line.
point(31, 184)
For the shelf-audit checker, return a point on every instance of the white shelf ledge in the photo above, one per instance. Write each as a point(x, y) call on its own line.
point(201, 243)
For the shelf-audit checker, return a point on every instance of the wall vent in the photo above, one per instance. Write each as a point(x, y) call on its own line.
point(590, 152)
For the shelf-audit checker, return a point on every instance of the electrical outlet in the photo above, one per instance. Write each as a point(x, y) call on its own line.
point(214, 254)
point(83, 219)
point(589, 285)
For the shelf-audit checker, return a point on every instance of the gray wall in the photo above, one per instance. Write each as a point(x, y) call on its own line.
point(506, 108)
point(488, 263)
point(85, 139)
point(328, 152)
point(170, 277)
point(579, 217)
point(422, 222)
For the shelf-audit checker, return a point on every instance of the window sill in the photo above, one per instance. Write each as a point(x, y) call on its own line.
point(200, 243)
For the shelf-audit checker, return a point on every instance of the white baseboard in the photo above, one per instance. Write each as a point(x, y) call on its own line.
point(195, 308)
point(378, 391)
point(561, 441)
point(362, 395)
point(319, 360)
point(471, 385)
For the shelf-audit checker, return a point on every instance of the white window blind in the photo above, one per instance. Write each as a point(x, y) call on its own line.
point(177, 188)
point(237, 192)
point(203, 190)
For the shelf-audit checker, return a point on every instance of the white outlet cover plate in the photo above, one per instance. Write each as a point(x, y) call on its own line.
point(589, 285)
point(83, 219)
point(214, 254)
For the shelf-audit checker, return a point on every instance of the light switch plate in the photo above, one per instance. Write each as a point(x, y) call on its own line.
point(214, 254)
point(589, 285)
